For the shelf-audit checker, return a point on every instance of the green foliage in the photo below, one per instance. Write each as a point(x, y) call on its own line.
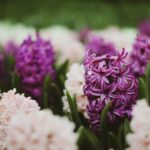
point(75, 14)
point(147, 81)
point(103, 124)
point(45, 92)
point(15, 81)
point(87, 140)
point(73, 109)
point(142, 91)
point(113, 141)
point(53, 90)
point(9, 79)
point(61, 74)
point(124, 129)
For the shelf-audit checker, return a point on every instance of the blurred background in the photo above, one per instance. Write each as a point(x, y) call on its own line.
point(75, 14)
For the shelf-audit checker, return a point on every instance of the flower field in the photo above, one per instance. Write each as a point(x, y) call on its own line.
point(75, 88)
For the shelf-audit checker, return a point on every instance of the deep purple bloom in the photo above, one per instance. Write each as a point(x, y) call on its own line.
point(140, 55)
point(108, 79)
point(100, 47)
point(35, 60)
point(144, 28)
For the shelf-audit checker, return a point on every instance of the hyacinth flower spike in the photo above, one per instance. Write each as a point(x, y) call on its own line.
point(34, 61)
point(108, 79)
point(140, 55)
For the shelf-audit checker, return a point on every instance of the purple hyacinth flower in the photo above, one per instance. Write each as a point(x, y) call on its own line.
point(11, 48)
point(35, 60)
point(140, 55)
point(144, 28)
point(100, 47)
point(84, 35)
point(108, 79)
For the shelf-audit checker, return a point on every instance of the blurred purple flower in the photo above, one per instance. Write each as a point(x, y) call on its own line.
point(11, 48)
point(140, 55)
point(100, 47)
point(84, 34)
point(108, 79)
point(35, 60)
point(144, 28)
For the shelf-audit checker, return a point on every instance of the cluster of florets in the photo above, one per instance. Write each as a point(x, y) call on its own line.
point(140, 55)
point(35, 61)
point(99, 46)
point(108, 79)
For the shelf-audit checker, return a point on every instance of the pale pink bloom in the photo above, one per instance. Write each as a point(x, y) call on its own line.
point(140, 125)
point(41, 131)
point(10, 105)
point(74, 85)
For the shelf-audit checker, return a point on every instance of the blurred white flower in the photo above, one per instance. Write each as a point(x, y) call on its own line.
point(65, 43)
point(140, 125)
point(10, 105)
point(122, 38)
point(41, 131)
point(74, 85)
point(16, 33)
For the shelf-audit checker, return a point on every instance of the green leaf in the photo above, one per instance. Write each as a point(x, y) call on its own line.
point(148, 82)
point(61, 82)
point(113, 141)
point(122, 132)
point(61, 79)
point(81, 136)
point(121, 136)
point(45, 93)
point(47, 82)
point(15, 81)
point(56, 90)
point(45, 100)
point(127, 128)
point(9, 63)
point(142, 91)
point(61, 75)
point(87, 137)
point(62, 69)
point(73, 109)
point(57, 105)
point(103, 123)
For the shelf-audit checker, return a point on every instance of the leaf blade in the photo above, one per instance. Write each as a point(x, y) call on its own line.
point(73, 109)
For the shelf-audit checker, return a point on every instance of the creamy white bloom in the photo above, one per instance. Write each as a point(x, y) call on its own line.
point(74, 85)
point(41, 131)
point(10, 105)
point(16, 33)
point(140, 125)
point(65, 43)
point(122, 38)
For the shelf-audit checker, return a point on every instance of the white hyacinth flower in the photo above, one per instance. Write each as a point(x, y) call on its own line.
point(74, 85)
point(41, 131)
